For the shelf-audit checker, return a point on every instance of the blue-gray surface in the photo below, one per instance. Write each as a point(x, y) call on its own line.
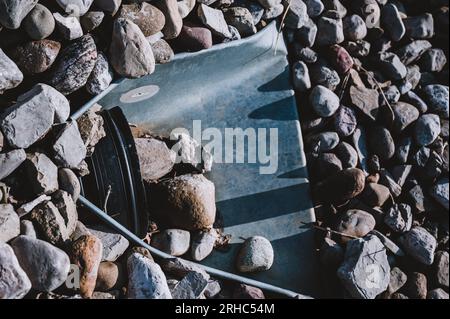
point(241, 84)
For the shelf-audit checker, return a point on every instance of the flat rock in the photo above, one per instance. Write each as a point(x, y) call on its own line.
point(360, 255)
point(255, 254)
point(10, 75)
point(190, 287)
point(131, 54)
point(46, 265)
point(146, 279)
point(9, 223)
point(14, 282)
point(13, 12)
point(42, 173)
point(10, 161)
point(69, 149)
point(420, 245)
point(366, 100)
point(174, 242)
point(28, 120)
point(114, 245)
point(155, 158)
point(75, 64)
point(214, 20)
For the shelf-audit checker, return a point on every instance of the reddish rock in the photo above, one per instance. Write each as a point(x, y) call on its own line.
point(87, 254)
point(36, 56)
point(341, 59)
point(192, 38)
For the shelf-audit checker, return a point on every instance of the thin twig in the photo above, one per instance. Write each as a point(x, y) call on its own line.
point(344, 86)
point(280, 29)
point(328, 230)
point(108, 193)
point(380, 89)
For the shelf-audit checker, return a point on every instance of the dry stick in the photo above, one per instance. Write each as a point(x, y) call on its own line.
point(328, 230)
point(108, 193)
point(282, 25)
point(380, 89)
point(344, 86)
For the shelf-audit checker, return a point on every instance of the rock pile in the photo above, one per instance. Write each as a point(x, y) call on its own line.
point(82, 46)
point(374, 107)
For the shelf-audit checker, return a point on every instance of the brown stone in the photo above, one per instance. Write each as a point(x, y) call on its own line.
point(110, 276)
point(366, 100)
point(356, 223)
point(87, 254)
point(147, 17)
point(375, 195)
point(341, 59)
point(36, 56)
point(185, 202)
point(342, 186)
point(192, 38)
